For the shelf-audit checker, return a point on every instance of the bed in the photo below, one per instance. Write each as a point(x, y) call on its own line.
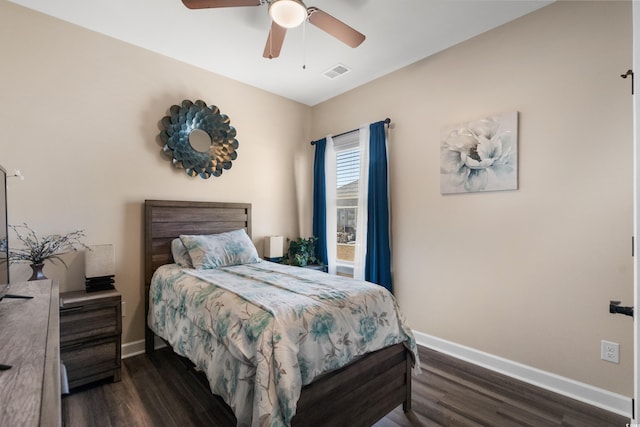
point(358, 393)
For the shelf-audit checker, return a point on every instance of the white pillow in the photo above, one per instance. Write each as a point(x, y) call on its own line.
point(220, 250)
point(180, 254)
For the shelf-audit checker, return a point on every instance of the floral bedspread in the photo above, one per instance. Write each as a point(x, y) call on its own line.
point(261, 331)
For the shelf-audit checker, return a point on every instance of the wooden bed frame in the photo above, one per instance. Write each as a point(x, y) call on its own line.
point(358, 394)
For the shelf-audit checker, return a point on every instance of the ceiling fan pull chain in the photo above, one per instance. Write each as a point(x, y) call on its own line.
point(304, 44)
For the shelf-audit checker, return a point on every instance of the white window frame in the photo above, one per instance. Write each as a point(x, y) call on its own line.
point(343, 143)
point(355, 139)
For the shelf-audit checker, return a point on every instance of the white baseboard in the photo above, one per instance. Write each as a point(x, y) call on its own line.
point(131, 349)
point(616, 403)
point(135, 348)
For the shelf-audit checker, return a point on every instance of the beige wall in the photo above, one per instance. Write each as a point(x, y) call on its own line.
point(80, 114)
point(527, 274)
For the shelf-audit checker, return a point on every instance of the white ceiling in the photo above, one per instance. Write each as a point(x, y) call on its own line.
point(230, 41)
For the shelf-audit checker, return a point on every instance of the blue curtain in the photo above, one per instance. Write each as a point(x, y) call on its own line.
point(378, 258)
point(320, 201)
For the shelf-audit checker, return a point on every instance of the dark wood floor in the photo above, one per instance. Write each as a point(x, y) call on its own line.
point(158, 390)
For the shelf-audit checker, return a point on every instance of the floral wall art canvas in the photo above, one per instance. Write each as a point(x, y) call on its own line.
point(481, 155)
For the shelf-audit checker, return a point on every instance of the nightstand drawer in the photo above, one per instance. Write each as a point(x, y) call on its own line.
point(89, 321)
point(88, 361)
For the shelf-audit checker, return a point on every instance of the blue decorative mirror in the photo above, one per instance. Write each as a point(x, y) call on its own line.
point(199, 139)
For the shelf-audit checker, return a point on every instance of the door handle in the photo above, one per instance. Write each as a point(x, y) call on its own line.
point(615, 308)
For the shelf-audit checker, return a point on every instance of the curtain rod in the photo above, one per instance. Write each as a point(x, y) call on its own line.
point(386, 121)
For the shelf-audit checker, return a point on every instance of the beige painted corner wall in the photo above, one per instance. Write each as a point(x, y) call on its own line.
point(80, 114)
point(526, 275)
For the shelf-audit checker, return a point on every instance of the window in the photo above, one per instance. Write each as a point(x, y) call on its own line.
point(347, 183)
point(351, 211)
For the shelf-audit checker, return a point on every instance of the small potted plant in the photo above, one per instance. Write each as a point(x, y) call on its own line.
point(302, 252)
point(39, 249)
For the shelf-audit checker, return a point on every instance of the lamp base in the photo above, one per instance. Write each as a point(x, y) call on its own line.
point(103, 283)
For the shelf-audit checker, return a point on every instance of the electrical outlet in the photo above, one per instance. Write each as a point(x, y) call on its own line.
point(124, 309)
point(610, 351)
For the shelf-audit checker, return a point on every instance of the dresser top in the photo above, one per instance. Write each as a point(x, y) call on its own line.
point(27, 330)
point(77, 298)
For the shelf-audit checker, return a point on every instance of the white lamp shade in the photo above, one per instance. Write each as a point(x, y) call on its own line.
point(273, 246)
point(288, 13)
point(99, 261)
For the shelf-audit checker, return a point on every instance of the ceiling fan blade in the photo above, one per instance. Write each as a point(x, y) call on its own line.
point(335, 27)
point(274, 41)
point(205, 4)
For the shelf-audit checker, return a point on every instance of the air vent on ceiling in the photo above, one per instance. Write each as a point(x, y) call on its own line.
point(336, 71)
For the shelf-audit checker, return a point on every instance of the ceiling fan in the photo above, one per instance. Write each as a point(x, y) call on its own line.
point(288, 14)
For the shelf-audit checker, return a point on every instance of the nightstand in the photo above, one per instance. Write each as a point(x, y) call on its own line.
point(90, 335)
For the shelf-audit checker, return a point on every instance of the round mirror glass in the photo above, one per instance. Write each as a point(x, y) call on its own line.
point(199, 140)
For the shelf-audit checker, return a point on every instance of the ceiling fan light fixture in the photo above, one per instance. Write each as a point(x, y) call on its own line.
point(288, 13)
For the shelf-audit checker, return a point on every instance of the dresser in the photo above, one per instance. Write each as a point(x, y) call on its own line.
point(29, 343)
point(90, 335)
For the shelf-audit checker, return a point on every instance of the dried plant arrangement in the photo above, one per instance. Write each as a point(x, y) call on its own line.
point(37, 250)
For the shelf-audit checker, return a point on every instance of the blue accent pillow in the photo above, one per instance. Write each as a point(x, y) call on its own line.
point(220, 250)
point(180, 254)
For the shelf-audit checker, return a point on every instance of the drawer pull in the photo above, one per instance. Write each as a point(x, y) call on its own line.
point(71, 310)
point(72, 346)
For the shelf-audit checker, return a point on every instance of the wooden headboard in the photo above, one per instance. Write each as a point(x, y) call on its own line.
point(167, 219)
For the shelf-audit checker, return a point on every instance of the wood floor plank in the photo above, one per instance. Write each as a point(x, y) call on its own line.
point(526, 417)
point(397, 418)
point(105, 404)
point(159, 391)
point(548, 413)
point(536, 403)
